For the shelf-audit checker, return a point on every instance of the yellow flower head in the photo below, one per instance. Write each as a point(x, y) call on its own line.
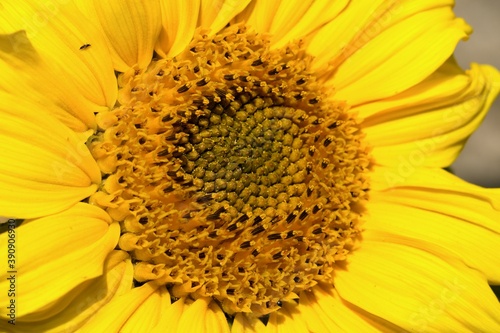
point(242, 166)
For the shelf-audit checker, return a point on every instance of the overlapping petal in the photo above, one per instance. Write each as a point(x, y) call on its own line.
point(203, 316)
point(386, 179)
point(113, 316)
point(215, 15)
point(460, 222)
point(326, 311)
point(149, 313)
point(56, 254)
point(433, 120)
point(73, 309)
point(417, 290)
point(369, 43)
point(244, 323)
point(256, 14)
point(57, 31)
point(131, 29)
point(24, 71)
point(170, 317)
point(57, 172)
point(287, 319)
point(179, 19)
point(293, 19)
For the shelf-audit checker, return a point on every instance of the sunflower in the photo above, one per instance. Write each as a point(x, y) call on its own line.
point(242, 166)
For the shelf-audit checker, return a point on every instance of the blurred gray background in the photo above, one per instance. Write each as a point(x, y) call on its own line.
point(479, 162)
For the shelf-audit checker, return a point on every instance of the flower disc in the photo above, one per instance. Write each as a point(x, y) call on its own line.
point(232, 176)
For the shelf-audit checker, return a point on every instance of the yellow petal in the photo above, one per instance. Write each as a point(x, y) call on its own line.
point(287, 319)
point(131, 29)
point(319, 320)
point(459, 221)
point(388, 178)
point(340, 38)
point(21, 198)
point(45, 167)
point(216, 319)
point(416, 290)
point(203, 316)
point(400, 57)
point(287, 16)
point(22, 74)
point(179, 19)
point(448, 82)
point(425, 180)
point(57, 253)
point(169, 320)
point(289, 20)
point(58, 33)
point(298, 18)
point(72, 310)
point(326, 311)
point(28, 131)
point(258, 14)
point(193, 319)
point(215, 15)
point(435, 133)
point(247, 323)
point(149, 313)
point(112, 316)
point(397, 46)
point(26, 76)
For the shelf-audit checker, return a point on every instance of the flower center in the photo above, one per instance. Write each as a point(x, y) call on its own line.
point(231, 174)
